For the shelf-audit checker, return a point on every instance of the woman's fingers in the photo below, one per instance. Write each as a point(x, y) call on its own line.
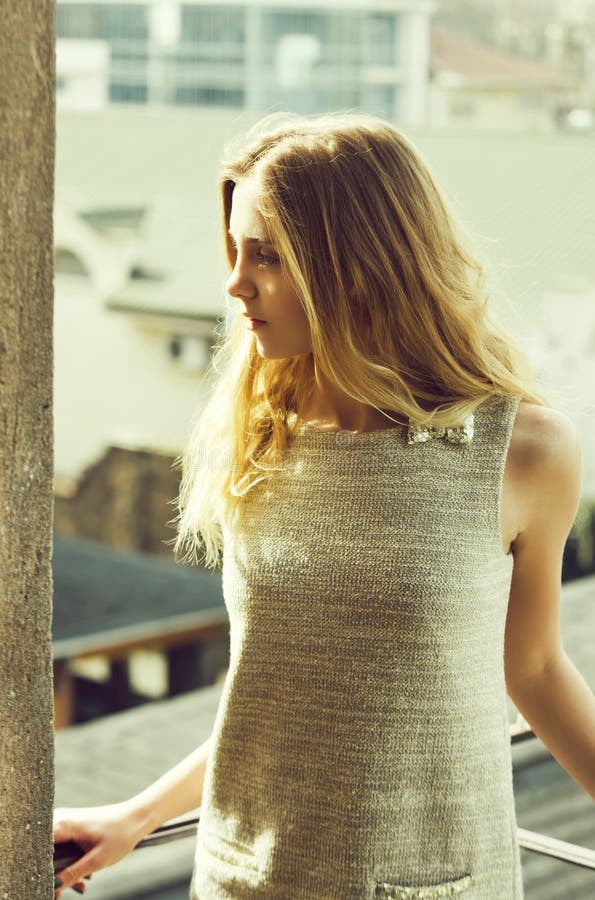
point(102, 835)
point(80, 887)
point(63, 828)
point(78, 871)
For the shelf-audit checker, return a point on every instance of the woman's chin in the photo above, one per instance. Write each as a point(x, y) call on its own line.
point(277, 352)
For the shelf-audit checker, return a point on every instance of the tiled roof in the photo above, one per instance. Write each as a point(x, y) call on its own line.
point(476, 60)
point(99, 590)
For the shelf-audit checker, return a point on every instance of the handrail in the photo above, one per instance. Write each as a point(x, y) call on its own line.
point(562, 850)
point(541, 843)
point(520, 733)
point(67, 852)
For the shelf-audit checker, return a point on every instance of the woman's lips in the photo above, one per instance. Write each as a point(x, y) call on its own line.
point(255, 323)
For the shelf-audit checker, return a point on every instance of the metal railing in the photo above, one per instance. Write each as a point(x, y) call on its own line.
point(68, 852)
point(542, 843)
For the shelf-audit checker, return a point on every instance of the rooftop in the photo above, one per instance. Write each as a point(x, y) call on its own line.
point(479, 62)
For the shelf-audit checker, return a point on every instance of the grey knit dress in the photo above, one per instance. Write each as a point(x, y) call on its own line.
point(361, 747)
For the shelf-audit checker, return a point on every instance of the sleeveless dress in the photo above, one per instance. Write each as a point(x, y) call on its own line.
point(361, 747)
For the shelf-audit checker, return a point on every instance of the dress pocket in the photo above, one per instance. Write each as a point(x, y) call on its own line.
point(231, 852)
point(422, 891)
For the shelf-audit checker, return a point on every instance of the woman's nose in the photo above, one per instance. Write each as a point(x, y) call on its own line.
point(239, 284)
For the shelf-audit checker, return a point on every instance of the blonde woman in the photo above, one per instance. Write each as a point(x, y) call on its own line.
point(389, 495)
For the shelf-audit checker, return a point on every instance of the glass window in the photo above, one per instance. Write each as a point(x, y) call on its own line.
point(209, 96)
point(68, 263)
point(128, 93)
point(338, 34)
point(379, 99)
point(75, 21)
point(212, 34)
point(95, 20)
point(380, 40)
point(125, 21)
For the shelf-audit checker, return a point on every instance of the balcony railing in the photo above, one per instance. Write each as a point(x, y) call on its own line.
point(68, 852)
point(577, 595)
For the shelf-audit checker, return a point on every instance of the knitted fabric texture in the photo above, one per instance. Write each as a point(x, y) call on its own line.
point(361, 748)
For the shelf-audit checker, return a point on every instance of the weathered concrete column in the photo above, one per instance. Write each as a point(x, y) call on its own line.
point(27, 146)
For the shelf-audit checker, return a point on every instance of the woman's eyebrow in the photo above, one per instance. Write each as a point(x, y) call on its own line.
point(252, 240)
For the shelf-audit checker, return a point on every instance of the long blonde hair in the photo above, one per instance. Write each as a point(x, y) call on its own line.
point(395, 299)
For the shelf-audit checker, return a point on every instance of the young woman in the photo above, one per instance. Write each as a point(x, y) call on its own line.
point(390, 497)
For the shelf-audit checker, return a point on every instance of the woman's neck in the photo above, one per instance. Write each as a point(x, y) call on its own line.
point(330, 407)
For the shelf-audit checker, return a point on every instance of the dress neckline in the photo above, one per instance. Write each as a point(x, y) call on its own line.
point(344, 435)
point(457, 434)
point(305, 425)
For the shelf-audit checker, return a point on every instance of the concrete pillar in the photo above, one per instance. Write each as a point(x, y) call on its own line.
point(27, 151)
point(253, 58)
point(165, 21)
point(415, 55)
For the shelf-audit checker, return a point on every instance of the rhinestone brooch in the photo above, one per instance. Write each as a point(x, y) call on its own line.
point(427, 892)
point(457, 434)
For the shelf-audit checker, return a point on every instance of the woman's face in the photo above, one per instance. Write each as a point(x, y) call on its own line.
point(259, 284)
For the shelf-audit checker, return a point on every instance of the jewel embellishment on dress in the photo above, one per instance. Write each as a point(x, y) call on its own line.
point(457, 434)
point(427, 892)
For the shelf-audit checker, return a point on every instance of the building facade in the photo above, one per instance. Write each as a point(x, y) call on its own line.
point(301, 56)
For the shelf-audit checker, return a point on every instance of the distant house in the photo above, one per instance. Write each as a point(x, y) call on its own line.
point(111, 369)
point(139, 279)
point(475, 85)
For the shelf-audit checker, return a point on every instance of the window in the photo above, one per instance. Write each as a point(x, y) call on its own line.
point(338, 34)
point(380, 38)
point(125, 21)
point(128, 93)
point(75, 21)
point(104, 22)
point(214, 32)
point(209, 96)
point(379, 99)
point(68, 263)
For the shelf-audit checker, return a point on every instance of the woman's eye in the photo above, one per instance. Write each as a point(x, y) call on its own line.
point(264, 259)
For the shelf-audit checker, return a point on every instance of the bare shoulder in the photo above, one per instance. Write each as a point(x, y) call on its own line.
point(541, 438)
point(543, 467)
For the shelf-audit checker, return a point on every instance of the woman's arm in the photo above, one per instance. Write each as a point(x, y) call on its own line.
point(560, 708)
point(541, 680)
point(176, 792)
point(108, 833)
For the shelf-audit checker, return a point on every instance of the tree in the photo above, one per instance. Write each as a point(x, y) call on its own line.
point(27, 151)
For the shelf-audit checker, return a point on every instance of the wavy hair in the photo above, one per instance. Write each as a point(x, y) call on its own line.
point(394, 295)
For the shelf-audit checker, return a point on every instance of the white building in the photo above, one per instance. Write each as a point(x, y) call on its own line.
point(301, 55)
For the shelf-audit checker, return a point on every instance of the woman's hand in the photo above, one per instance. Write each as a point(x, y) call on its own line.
point(105, 833)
